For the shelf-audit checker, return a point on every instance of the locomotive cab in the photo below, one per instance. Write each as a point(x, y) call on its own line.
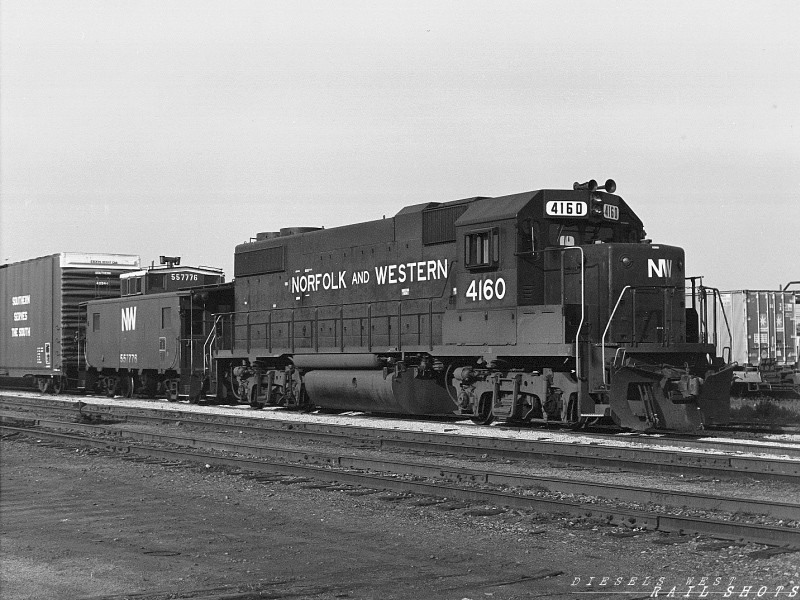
point(597, 317)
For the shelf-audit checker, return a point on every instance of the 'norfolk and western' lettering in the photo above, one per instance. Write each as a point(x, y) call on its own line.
point(424, 270)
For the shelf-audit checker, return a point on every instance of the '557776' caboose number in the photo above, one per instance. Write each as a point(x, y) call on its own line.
point(486, 289)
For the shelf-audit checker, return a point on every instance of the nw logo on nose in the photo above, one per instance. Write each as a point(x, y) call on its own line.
point(662, 268)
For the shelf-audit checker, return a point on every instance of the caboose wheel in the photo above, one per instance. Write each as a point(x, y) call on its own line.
point(171, 391)
point(59, 384)
point(112, 383)
point(127, 386)
point(484, 416)
point(43, 383)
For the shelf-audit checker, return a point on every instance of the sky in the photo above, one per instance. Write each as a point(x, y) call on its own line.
point(186, 127)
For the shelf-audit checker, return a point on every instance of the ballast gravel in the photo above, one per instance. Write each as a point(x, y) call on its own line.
point(87, 524)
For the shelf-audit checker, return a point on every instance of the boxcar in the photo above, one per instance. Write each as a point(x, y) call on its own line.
point(40, 321)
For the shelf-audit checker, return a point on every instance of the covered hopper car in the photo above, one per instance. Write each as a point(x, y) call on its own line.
point(544, 306)
point(763, 339)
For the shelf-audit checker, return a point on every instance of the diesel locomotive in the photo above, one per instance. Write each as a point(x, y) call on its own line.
point(546, 306)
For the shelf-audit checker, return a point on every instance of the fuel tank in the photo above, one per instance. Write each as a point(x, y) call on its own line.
point(378, 391)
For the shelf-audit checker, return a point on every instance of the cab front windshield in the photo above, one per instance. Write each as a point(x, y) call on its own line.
point(578, 234)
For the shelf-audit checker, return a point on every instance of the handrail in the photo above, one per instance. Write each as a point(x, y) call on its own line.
point(264, 320)
point(210, 339)
point(578, 369)
point(605, 331)
point(716, 294)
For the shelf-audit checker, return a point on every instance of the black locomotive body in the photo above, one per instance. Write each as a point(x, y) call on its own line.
point(542, 306)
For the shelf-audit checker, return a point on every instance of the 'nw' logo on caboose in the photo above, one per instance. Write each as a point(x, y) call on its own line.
point(662, 268)
point(129, 318)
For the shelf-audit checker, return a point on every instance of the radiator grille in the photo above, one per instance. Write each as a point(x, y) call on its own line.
point(439, 224)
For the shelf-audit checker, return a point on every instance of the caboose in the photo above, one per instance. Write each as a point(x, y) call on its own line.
point(545, 306)
point(150, 341)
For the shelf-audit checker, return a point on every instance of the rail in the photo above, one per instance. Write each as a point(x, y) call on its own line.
point(433, 480)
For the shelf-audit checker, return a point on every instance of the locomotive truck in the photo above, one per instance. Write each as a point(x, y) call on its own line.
point(544, 306)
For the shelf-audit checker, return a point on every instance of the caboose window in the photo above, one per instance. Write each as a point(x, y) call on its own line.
point(482, 249)
point(95, 321)
point(166, 317)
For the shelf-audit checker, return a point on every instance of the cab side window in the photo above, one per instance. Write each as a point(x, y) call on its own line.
point(482, 249)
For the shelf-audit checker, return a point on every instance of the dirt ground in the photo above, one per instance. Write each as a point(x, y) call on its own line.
point(88, 525)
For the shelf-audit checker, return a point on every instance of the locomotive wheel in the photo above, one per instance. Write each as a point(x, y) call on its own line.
point(43, 383)
point(484, 416)
point(59, 384)
point(254, 403)
point(572, 417)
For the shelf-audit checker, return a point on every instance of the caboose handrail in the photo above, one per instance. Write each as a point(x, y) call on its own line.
point(209, 343)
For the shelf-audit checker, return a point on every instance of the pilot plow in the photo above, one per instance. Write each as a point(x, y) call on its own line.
point(648, 397)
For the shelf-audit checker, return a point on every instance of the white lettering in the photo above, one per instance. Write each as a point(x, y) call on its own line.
point(426, 270)
point(130, 359)
point(411, 271)
point(20, 300)
point(380, 274)
point(20, 332)
point(21, 316)
point(486, 289)
point(360, 277)
point(661, 269)
point(129, 318)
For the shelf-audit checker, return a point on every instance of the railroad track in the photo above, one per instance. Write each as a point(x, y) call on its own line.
point(406, 478)
point(663, 458)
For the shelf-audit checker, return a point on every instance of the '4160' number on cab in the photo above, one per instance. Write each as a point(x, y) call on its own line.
point(486, 289)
